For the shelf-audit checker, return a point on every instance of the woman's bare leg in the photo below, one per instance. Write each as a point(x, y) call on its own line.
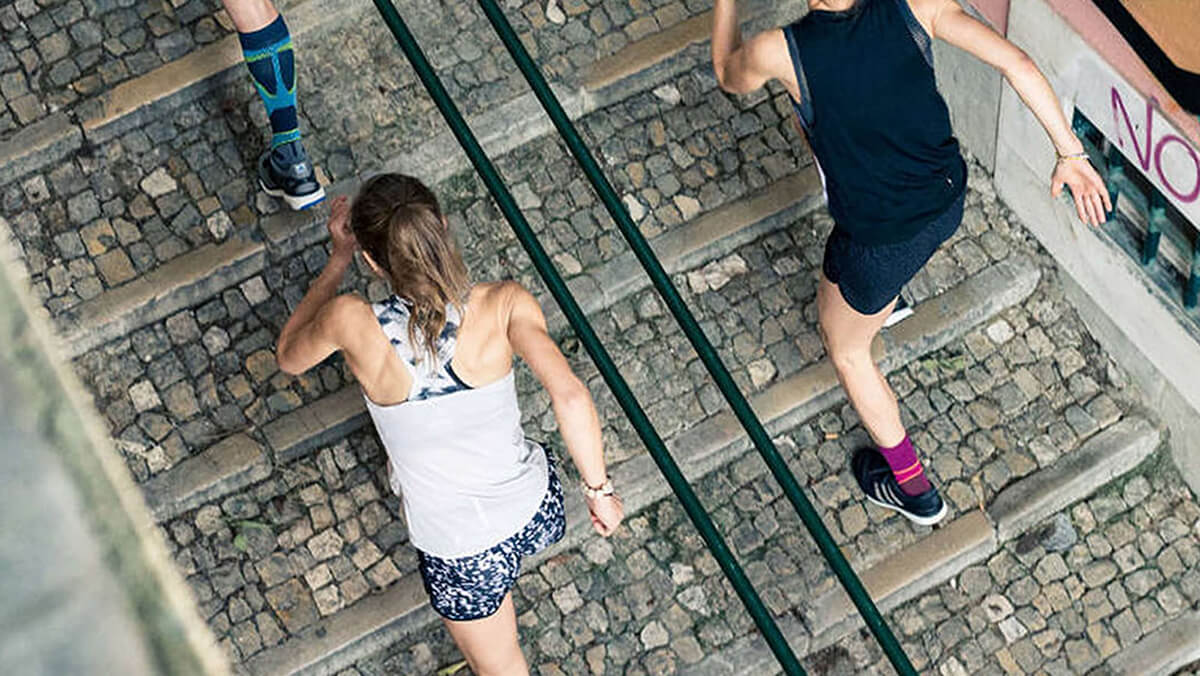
point(848, 336)
point(490, 644)
point(250, 15)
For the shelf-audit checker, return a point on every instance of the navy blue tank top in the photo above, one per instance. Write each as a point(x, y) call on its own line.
point(875, 120)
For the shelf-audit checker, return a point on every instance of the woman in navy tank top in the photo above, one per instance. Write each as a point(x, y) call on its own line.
point(860, 75)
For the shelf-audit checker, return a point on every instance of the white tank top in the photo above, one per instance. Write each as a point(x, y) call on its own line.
point(466, 475)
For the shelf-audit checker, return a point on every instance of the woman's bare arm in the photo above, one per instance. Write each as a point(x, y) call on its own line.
point(952, 24)
point(316, 328)
point(573, 406)
point(742, 67)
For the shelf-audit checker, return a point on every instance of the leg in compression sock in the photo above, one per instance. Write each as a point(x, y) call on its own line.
point(271, 61)
point(909, 473)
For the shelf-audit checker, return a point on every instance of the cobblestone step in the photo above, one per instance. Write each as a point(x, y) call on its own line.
point(1164, 652)
point(231, 464)
point(341, 639)
point(948, 550)
point(130, 105)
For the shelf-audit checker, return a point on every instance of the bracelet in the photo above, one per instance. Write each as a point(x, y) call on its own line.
point(605, 488)
point(1081, 155)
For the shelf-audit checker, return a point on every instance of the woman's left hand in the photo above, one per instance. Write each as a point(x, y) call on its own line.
point(1087, 189)
point(344, 242)
point(606, 511)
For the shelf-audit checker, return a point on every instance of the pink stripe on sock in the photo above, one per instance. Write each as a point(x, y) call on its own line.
point(907, 469)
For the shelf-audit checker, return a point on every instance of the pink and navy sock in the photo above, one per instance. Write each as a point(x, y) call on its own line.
point(271, 60)
point(907, 469)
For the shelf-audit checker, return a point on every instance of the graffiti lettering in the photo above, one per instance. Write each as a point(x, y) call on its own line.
point(1154, 150)
point(1188, 197)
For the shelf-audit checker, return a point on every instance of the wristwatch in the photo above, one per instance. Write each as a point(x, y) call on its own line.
point(591, 492)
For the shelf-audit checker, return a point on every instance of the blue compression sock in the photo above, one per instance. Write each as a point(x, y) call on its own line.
point(270, 58)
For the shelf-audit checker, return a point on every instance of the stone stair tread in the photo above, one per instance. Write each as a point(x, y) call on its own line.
point(197, 66)
point(699, 451)
point(38, 145)
point(306, 429)
point(649, 51)
point(119, 310)
point(1101, 459)
point(942, 554)
point(166, 289)
point(1170, 647)
point(233, 463)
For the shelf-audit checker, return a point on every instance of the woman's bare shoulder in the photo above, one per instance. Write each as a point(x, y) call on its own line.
point(346, 314)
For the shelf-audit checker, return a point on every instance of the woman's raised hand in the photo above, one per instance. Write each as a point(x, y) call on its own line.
point(344, 242)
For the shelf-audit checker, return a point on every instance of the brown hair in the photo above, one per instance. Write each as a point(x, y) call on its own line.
point(398, 222)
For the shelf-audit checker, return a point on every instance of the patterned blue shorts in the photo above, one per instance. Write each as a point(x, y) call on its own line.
point(473, 587)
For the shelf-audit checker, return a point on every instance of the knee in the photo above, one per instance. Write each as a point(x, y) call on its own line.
point(849, 359)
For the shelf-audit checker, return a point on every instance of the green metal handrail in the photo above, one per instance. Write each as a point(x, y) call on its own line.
point(583, 329)
point(741, 408)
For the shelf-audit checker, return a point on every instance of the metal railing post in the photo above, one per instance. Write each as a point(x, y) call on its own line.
point(633, 410)
point(708, 354)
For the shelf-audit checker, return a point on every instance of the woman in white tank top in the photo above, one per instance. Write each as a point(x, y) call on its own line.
point(434, 362)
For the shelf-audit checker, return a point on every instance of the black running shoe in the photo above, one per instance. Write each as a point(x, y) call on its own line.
point(285, 172)
point(901, 312)
point(875, 479)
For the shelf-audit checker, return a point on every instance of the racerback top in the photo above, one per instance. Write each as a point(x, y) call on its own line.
point(466, 475)
point(877, 125)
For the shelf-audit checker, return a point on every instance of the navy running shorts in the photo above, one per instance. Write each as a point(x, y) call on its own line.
point(473, 587)
point(871, 276)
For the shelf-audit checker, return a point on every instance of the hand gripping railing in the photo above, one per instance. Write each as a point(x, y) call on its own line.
point(662, 282)
point(583, 329)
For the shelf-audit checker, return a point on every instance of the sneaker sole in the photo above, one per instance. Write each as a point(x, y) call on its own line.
point(897, 317)
point(919, 520)
point(296, 203)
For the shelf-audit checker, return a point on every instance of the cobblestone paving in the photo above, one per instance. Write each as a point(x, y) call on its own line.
point(176, 386)
point(318, 535)
point(1007, 399)
point(182, 176)
point(57, 53)
point(62, 54)
point(185, 179)
point(1109, 570)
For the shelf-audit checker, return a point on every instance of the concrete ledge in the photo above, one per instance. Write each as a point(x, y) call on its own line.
point(905, 574)
point(178, 284)
point(231, 464)
point(1170, 647)
point(647, 52)
point(309, 427)
point(340, 639)
point(1077, 475)
point(44, 142)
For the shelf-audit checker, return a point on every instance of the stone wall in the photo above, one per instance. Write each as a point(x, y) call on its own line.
point(87, 584)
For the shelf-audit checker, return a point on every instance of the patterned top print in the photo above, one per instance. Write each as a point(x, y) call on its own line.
point(431, 377)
